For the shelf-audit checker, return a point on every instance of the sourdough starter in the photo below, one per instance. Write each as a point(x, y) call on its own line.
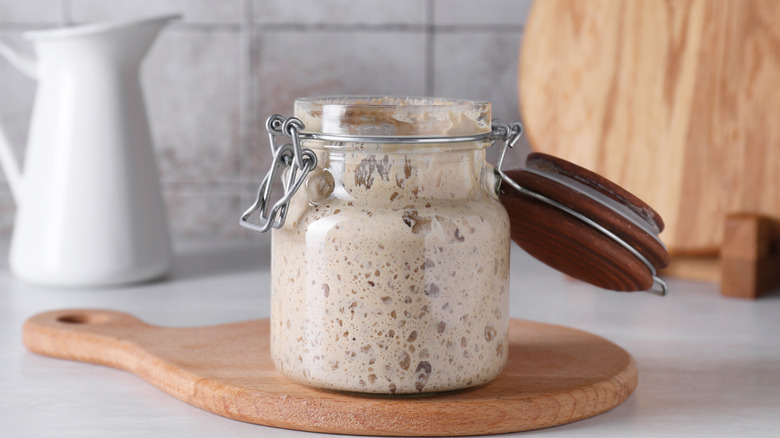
point(391, 272)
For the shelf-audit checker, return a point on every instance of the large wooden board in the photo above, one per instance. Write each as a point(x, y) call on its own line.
point(555, 375)
point(677, 101)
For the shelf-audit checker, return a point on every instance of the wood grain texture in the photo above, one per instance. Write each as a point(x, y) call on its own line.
point(574, 248)
point(750, 258)
point(565, 242)
point(555, 375)
point(572, 245)
point(693, 267)
point(677, 101)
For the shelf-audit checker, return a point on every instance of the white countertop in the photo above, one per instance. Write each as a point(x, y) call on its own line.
point(708, 365)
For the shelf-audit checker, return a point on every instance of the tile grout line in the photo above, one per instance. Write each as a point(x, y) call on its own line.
point(66, 19)
point(430, 35)
point(66, 13)
point(245, 93)
point(367, 28)
point(7, 26)
point(249, 108)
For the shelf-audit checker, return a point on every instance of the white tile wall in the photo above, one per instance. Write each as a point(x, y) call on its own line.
point(287, 65)
point(339, 12)
point(205, 212)
point(213, 77)
point(193, 11)
point(192, 81)
point(29, 11)
point(481, 12)
point(480, 64)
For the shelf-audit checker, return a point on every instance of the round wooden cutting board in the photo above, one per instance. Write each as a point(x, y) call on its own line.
point(677, 101)
point(554, 375)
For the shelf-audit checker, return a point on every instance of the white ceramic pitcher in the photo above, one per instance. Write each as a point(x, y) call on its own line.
point(89, 206)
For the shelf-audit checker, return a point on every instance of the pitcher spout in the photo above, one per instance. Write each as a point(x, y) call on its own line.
point(138, 36)
point(128, 40)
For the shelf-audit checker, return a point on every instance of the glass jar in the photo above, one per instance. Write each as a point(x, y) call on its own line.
point(391, 272)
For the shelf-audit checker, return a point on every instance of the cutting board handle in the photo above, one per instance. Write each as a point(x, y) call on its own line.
point(102, 337)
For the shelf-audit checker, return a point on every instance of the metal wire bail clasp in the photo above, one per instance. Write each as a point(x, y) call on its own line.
point(295, 163)
point(510, 134)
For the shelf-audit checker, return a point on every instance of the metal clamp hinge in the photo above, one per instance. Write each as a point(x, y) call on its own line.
point(295, 163)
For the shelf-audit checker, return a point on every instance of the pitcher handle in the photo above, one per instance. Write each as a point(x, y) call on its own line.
point(23, 62)
point(27, 65)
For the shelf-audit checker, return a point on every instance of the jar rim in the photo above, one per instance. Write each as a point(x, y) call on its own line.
point(393, 115)
point(374, 101)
